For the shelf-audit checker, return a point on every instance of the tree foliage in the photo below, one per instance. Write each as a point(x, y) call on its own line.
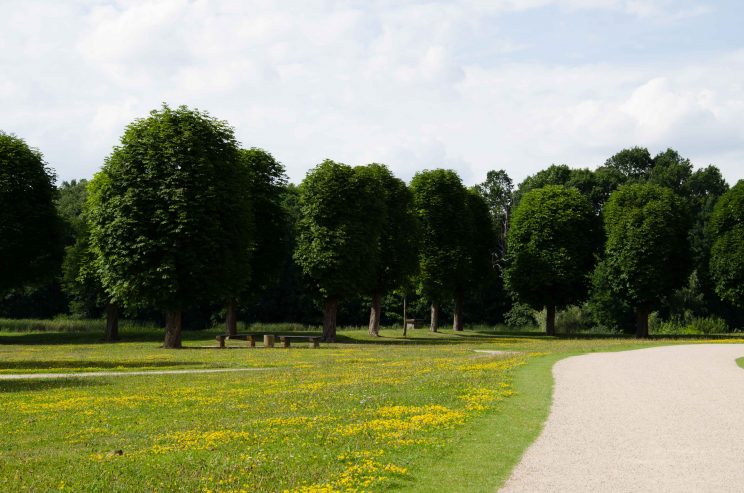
point(480, 245)
point(596, 186)
point(30, 230)
point(398, 242)
point(727, 253)
point(552, 243)
point(342, 216)
point(266, 181)
point(80, 280)
point(633, 164)
point(647, 255)
point(170, 224)
point(497, 190)
point(440, 202)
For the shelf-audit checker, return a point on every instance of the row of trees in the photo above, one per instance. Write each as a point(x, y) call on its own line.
point(180, 216)
point(629, 237)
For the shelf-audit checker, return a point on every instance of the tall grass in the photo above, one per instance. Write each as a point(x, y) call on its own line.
point(71, 325)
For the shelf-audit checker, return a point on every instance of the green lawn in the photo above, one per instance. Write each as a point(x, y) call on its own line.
point(426, 413)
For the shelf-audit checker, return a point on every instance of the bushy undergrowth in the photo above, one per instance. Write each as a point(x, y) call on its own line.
point(697, 325)
point(520, 315)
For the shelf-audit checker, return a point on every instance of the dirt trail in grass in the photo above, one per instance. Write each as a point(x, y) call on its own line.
point(35, 376)
point(660, 419)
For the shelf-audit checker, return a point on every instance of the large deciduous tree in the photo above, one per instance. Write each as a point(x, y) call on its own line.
point(398, 243)
point(634, 163)
point(497, 190)
point(266, 183)
point(647, 253)
point(80, 279)
point(170, 224)
point(30, 229)
point(727, 252)
point(552, 244)
point(440, 201)
point(338, 234)
point(479, 243)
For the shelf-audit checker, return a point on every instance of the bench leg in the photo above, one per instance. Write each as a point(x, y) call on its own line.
point(268, 340)
point(221, 340)
point(251, 342)
point(315, 343)
point(285, 342)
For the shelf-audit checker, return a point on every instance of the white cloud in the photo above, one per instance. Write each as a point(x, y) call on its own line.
point(413, 84)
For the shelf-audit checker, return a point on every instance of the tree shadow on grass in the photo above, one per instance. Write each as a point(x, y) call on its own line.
point(7, 386)
point(59, 338)
point(78, 364)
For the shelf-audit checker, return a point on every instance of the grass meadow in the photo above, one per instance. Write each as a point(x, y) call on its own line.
point(431, 412)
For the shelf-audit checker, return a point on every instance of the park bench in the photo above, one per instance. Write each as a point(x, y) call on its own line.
point(414, 323)
point(313, 340)
point(268, 339)
point(250, 338)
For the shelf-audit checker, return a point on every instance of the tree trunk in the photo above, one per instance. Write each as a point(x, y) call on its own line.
point(457, 319)
point(112, 322)
point(231, 318)
point(434, 317)
point(642, 314)
point(172, 329)
point(405, 317)
point(550, 320)
point(374, 315)
point(329, 320)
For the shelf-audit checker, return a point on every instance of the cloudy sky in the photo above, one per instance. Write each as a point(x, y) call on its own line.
point(472, 85)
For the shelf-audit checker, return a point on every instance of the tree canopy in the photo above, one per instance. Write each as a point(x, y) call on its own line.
point(552, 243)
point(338, 234)
point(398, 242)
point(480, 245)
point(647, 255)
point(170, 225)
point(497, 190)
point(440, 202)
point(30, 230)
point(727, 253)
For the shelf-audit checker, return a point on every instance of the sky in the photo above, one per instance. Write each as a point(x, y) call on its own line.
point(470, 85)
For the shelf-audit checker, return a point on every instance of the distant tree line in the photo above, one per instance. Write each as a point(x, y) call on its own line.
point(184, 226)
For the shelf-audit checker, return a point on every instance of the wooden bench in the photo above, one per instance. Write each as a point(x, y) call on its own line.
point(250, 338)
point(414, 323)
point(313, 340)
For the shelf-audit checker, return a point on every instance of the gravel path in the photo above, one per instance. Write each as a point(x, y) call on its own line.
point(667, 419)
point(37, 376)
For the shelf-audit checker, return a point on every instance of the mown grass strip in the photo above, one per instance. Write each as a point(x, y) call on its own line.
point(489, 447)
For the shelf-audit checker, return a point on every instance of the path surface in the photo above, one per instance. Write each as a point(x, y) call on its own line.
point(36, 376)
point(667, 419)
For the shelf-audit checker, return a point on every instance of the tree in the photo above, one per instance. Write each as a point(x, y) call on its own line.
point(169, 224)
point(266, 183)
point(671, 170)
point(398, 243)
point(727, 252)
point(30, 230)
point(552, 244)
point(634, 163)
point(439, 199)
point(338, 234)
point(497, 191)
point(596, 186)
point(80, 280)
point(647, 253)
point(480, 244)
